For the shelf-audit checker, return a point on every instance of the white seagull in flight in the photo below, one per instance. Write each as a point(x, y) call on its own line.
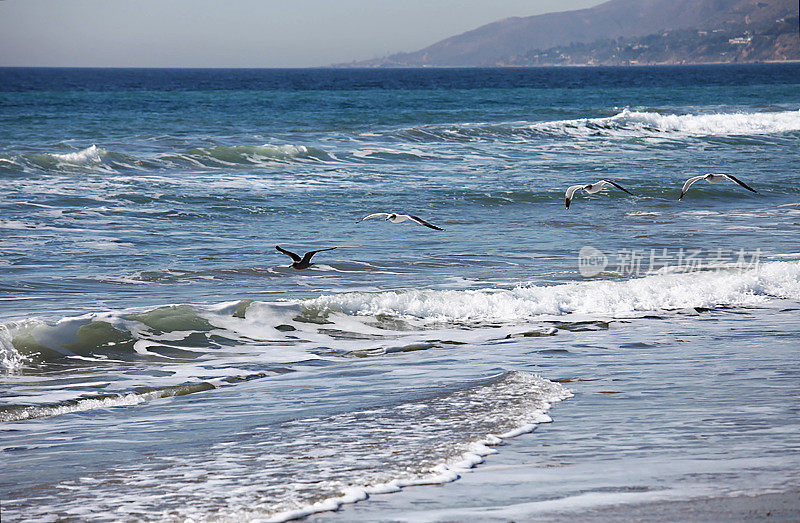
point(713, 178)
point(397, 218)
point(592, 188)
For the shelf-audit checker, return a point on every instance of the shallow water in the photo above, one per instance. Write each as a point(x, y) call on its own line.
point(689, 407)
point(161, 361)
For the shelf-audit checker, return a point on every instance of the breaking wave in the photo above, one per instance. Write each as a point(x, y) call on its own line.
point(10, 358)
point(369, 323)
point(96, 159)
point(89, 155)
point(651, 123)
point(625, 124)
point(229, 156)
point(92, 159)
point(596, 298)
point(25, 412)
point(89, 159)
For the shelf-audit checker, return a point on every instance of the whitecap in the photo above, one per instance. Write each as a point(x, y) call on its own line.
point(526, 303)
point(10, 359)
point(641, 123)
point(92, 154)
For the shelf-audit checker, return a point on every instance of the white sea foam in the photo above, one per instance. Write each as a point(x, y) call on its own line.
point(453, 468)
point(17, 225)
point(266, 154)
point(643, 213)
point(278, 475)
point(116, 400)
point(374, 323)
point(91, 159)
point(10, 359)
point(391, 154)
point(78, 406)
point(646, 123)
point(90, 155)
point(368, 324)
point(628, 123)
point(598, 298)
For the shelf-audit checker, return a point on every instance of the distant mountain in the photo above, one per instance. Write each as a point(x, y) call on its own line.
point(516, 41)
point(741, 43)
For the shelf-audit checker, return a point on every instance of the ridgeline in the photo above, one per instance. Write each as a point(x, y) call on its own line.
point(622, 32)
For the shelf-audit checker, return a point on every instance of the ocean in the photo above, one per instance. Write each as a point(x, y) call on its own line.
point(160, 360)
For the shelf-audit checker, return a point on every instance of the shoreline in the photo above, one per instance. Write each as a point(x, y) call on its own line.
point(553, 66)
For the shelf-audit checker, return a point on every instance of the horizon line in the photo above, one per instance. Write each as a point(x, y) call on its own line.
point(366, 68)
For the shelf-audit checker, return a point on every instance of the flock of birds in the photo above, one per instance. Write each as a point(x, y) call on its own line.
point(713, 178)
point(304, 262)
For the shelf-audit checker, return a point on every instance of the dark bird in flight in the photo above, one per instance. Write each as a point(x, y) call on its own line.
point(305, 261)
point(592, 188)
point(713, 178)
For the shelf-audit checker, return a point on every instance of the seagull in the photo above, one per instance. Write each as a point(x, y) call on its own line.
point(592, 188)
point(397, 218)
point(713, 178)
point(305, 261)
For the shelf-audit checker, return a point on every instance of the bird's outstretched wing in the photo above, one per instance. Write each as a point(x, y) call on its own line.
point(571, 192)
point(290, 254)
point(689, 183)
point(374, 215)
point(740, 182)
point(423, 222)
point(310, 254)
point(618, 186)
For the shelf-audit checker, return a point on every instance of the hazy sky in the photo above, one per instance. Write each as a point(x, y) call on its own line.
point(238, 33)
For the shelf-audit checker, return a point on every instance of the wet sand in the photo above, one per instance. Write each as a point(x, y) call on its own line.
point(772, 507)
point(766, 507)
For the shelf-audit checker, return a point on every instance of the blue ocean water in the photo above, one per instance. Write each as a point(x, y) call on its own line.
point(160, 360)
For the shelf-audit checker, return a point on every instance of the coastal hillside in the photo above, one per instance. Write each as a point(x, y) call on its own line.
point(620, 32)
point(741, 43)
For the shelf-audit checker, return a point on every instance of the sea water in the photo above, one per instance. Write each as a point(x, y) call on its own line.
point(160, 360)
